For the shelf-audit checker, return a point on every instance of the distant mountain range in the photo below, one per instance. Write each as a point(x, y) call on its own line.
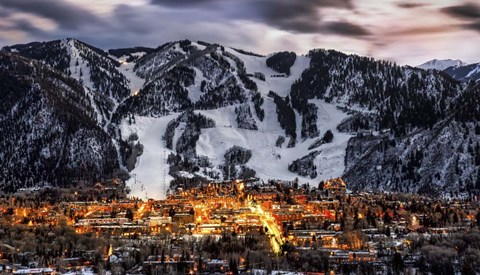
point(455, 68)
point(195, 111)
point(441, 64)
point(465, 73)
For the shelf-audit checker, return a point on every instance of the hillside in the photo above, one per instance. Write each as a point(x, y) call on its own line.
point(50, 135)
point(465, 72)
point(189, 111)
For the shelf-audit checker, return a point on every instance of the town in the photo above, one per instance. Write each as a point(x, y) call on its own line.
point(236, 227)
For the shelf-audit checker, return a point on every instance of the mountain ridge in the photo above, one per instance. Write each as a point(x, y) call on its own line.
point(441, 64)
point(154, 106)
point(465, 73)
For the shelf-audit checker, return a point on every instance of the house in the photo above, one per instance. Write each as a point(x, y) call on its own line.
point(336, 186)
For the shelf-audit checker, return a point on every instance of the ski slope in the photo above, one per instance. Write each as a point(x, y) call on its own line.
point(149, 178)
point(268, 160)
point(331, 161)
point(126, 68)
point(280, 85)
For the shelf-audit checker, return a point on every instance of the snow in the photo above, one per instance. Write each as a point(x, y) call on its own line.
point(84, 271)
point(474, 71)
point(126, 68)
point(40, 270)
point(139, 54)
point(270, 122)
point(280, 85)
point(82, 71)
point(159, 59)
point(45, 152)
point(98, 113)
point(194, 91)
point(199, 46)
point(269, 161)
point(441, 64)
point(331, 160)
point(149, 178)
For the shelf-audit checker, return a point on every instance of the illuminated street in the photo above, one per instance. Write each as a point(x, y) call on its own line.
point(270, 227)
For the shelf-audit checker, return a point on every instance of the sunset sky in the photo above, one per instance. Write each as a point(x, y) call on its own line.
point(408, 32)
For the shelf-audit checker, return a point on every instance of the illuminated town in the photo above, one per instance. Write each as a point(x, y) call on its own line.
point(239, 226)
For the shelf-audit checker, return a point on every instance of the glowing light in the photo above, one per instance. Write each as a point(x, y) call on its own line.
point(110, 251)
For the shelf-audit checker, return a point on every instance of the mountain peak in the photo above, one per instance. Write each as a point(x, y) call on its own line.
point(441, 64)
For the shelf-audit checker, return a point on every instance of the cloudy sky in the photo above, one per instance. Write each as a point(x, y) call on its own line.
point(408, 32)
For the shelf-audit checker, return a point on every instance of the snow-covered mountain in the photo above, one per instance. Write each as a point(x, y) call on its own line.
point(441, 64)
point(48, 127)
point(457, 69)
point(189, 111)
point(465, 73)
point(98, 72)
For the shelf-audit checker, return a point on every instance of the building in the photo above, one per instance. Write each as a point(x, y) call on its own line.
point(336, 186)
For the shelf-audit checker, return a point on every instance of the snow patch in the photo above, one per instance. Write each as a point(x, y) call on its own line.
point(149, 178)
point(280, 85)
point(268, 160)
point(126, 68)
point(441, 64)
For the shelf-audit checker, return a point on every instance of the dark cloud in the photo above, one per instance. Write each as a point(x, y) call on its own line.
point(182, 3)
point(298, 16)
point(4, 12)
point(21, 25)
point(410, 5)
point(66, 15)
point(245, 23)
point(153, 26)
point(347, 29)
point(272, 3)
point(28, 27)
point(467, 11)
point(131, 20)
point(473, 26)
